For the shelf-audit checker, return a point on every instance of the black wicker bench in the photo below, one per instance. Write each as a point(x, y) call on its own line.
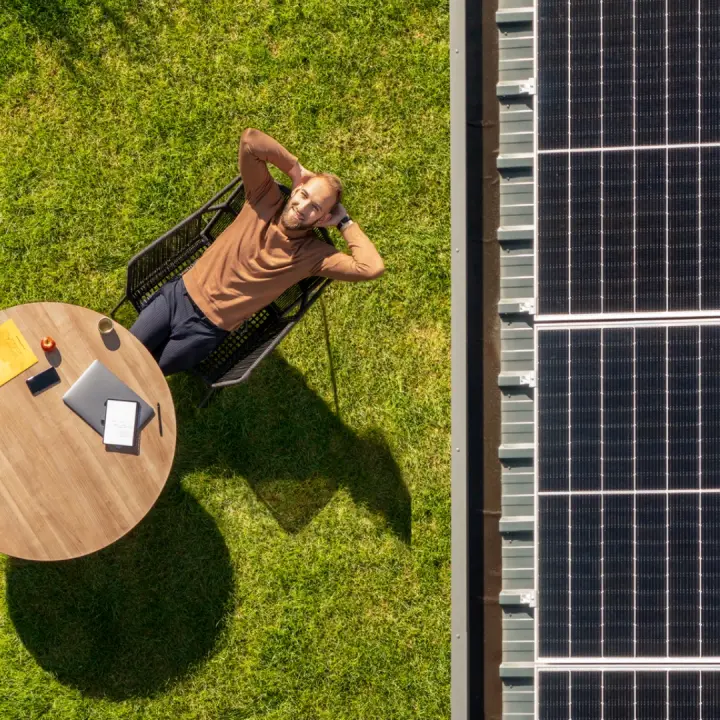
point(178, 249)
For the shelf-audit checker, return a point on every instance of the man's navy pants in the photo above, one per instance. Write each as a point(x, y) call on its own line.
point(175, 331)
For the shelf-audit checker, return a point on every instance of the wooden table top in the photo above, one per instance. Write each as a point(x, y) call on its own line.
point(62, 493)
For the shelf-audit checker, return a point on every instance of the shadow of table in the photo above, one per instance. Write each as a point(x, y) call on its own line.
point(133, 617)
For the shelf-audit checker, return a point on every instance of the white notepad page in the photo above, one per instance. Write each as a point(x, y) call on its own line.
point(120, 423)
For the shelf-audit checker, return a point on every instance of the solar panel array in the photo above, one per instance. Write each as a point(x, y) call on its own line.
point(628, 359)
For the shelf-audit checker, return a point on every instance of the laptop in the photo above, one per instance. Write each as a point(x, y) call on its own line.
point(93, 388)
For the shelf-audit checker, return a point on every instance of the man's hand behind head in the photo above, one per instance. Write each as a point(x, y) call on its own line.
point(300, 175)
point(333, 217)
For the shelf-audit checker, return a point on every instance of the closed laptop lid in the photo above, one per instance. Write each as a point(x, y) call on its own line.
point(88, 395)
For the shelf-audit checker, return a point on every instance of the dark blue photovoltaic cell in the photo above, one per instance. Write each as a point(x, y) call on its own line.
point(683, 229)
point(618, 231)
point(650, 71)
point(709, 76)
point(651, 260)
point(617, 409)
point(585, 570)
point(554, 691)
point(683, 575)
point(651, 582)
point(710, 694)
point(554, 568)
point(617, 73)
point(710, 402)
point(682, 53)
point(651, 694)
point(585, 426)
point(585, 77)
point(585, 236)
point(683, 411)
point(552, 38)
point(684, 695)
point(553, 229)
point(585, 695)
point(710, 579)
point(651, 429)
point(618, 696)
point(710, 226)
point(618, 575)
point(552, 433)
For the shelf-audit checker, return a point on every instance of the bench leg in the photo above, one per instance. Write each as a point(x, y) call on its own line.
point(207, 397)
point(330, 357)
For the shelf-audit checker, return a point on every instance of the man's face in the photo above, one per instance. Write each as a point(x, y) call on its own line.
point(308, 204)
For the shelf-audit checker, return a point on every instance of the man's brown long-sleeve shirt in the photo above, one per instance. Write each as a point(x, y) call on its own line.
point(256, 259)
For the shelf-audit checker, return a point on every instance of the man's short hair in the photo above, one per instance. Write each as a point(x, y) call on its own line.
point(335, 183)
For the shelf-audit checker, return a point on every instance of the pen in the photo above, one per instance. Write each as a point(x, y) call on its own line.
point(160, 419)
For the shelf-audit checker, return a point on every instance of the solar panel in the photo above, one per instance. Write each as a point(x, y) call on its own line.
point(627, 73)
point(629, 491)
point(627, 694)
point(628, 180)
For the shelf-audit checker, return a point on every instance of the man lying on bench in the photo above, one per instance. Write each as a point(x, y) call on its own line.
point(267, 249)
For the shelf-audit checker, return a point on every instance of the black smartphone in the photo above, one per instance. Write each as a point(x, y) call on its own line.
point(42, 381)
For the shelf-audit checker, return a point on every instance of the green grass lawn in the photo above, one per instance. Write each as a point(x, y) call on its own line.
point(297, 565)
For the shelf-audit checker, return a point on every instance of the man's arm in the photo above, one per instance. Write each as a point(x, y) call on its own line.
point(256, 150)
point(364, 263)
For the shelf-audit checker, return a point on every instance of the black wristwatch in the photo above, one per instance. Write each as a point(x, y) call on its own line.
point(343, 222)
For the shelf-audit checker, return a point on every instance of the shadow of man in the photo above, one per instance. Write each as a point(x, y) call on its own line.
point(126, 621)
point(292, 449)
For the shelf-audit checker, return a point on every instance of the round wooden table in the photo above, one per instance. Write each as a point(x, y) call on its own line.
point(62, 493)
